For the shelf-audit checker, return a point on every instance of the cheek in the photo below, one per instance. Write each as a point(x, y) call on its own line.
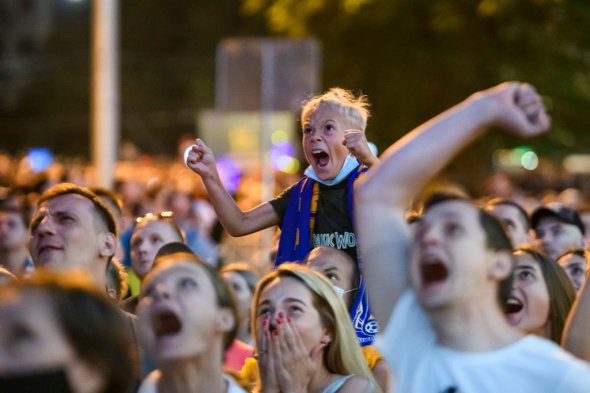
point(539, 301)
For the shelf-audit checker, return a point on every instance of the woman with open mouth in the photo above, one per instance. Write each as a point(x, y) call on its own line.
point(187, 318)
point(304, 338)
point(541, 296)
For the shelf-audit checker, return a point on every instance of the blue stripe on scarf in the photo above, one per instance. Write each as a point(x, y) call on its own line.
point(296, 220)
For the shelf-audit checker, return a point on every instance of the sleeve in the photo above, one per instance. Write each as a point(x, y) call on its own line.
point(408, 334)
point(279, 204)
point(577, 379)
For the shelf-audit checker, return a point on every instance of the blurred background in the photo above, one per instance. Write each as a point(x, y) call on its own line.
point(413, 58)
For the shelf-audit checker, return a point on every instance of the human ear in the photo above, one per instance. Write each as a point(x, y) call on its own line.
point(502, 265)
point(226, 320)
point(107, 244)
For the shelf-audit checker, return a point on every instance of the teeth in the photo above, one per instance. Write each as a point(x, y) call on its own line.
point(513, 301)
point(316, 151)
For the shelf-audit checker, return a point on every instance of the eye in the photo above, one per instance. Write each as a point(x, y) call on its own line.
point(332, 276)
point(525, 275)
point(262, 311)
point(187, 283)
point(452, 228)
point(330, 127)
point(307, 130)
point(577, 271)
point(21, 333)
point(294, 309)
point(156, 239)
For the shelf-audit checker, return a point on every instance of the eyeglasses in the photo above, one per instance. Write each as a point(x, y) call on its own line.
point(158, 216)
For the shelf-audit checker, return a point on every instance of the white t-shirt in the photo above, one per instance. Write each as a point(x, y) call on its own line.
point(150, 384)
point(420, 364)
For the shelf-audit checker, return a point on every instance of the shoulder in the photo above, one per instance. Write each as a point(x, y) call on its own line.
point(357, 384)
point(150, 383)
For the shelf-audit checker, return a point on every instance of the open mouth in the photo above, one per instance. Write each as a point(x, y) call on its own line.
point(320, 157)
point(433, 272)
point(166, 323)
point(513, 305)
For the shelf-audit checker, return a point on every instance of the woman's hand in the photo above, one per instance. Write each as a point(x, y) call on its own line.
point(266, 362)
point(294, 364)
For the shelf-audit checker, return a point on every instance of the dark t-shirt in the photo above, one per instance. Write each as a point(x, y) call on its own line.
point(333, 226)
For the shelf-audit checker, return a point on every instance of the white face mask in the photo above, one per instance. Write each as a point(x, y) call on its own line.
point(341, 291)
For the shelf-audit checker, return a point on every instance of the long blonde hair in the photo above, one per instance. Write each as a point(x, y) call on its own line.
point(343, 354)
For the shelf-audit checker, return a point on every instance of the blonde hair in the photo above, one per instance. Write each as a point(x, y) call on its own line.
point(343, 354)
point(117, 278)
point(354, 109)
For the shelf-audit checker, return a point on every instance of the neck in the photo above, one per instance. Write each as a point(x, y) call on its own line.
point(193, 375)
point(243, 333)
point(321, 378)
point(476, 326)
point(14, 260)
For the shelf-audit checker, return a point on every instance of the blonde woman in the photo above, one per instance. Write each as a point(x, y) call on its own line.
point(304, 339)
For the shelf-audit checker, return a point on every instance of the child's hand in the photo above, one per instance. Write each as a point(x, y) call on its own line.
point(356, 142)
point(201, 160)
point(517, 108)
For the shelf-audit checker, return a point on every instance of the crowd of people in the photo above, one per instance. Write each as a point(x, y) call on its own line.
point(372, 287)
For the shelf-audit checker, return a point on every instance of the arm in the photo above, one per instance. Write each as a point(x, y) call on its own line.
point(576, 337)
point(235, 221)
point(386, 191)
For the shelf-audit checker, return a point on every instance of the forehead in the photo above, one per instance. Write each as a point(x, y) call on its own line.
point(327, 259)
point(286, 287)
point(551, 221)
point(146, 227)
point(10, 216)
point(571, 259)
point(25, 305)
point(464, 211)
point(67, 202)
point(522, 258)
point(173, 269)
point(322, 112)
point(507, 212)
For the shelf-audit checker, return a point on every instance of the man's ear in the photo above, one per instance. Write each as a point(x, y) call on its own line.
point(111, 293)
point(502, 265)
point(107, 244)
point(226, 320)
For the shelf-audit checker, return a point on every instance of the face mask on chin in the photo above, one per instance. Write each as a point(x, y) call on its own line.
point(54, 381)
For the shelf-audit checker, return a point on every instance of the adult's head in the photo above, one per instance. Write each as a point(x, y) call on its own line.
point(338, 267)
point(460, 254)
point(557, 229)
point(324, 119)
point(542, 295)
point(242, 280)
point(151, 232)
point(72, 228)
point(14, 229)
point(515, 220)
point(575, 263)
point(113, 201)
point(310, 302)
point(60, 326)
point(185, 311)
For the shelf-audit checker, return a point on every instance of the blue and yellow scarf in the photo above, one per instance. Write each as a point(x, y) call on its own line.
point(296, 240)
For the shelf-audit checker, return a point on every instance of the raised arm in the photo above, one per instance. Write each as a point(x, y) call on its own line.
point(576, 335)
point(236, 222)
point(385, 193)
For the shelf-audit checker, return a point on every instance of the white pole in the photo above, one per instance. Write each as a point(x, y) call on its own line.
point(105, 94)
point(267, 71)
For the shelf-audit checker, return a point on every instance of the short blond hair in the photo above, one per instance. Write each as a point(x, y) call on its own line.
point(354, 109)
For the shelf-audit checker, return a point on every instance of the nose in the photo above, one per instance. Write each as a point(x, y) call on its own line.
point(43, 227)
point(161, 291)
point(428, 236)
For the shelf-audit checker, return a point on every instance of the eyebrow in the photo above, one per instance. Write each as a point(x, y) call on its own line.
point(525, 267)
point(295, 300)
